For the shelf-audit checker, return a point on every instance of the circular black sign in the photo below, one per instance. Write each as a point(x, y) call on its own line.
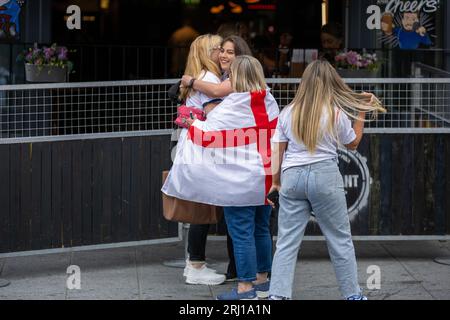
point(355, 174)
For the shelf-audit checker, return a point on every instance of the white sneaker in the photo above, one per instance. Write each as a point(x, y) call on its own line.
point(203, 275)
point(189, 266)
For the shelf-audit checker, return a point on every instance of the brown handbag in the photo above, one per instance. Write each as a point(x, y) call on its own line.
point(179, 210)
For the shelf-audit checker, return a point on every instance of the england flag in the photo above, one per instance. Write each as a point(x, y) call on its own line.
point(226, 160)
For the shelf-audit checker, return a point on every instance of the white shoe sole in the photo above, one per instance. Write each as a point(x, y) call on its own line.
point(262, 294)
point(207, 283)
point(185, 272)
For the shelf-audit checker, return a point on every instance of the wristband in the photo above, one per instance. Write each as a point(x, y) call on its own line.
point(191, 83)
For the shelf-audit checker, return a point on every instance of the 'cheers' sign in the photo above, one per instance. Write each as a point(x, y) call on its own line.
point(404, 24)
point(410, 6)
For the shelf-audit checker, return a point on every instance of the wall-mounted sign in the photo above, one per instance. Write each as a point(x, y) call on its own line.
point(403, 23)
point(356, 176)
point(10, 19)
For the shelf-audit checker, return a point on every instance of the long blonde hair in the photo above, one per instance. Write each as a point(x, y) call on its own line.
point(320, 91)
point(199, 59)
point(246, 74)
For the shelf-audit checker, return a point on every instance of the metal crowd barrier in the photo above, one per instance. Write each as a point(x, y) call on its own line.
point(33, 112)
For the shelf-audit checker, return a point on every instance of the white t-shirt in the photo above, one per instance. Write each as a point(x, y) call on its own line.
point(297, 154)
point(198, 99)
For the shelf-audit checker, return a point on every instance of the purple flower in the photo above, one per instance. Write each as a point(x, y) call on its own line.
point(36, 51)
point(352, 58)
point(48, 53)
point(62, 53)
point(53, 56)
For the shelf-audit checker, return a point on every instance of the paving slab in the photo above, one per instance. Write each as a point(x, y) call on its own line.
point(106, 274)
point(35, 277)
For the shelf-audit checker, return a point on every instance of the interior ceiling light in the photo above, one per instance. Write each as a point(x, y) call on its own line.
point(104, 4)
point(235, 8)
point(324, 12)
point(217, 9)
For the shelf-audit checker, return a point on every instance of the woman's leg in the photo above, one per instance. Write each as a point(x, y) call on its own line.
point(241, 227)
point(263, 242)
point(231, 269)
point(197, 236)
point(293, 217)
point(196, 271)
point(330, 207)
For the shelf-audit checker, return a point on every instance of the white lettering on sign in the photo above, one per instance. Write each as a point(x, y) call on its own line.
point(351, 181)
point(345, 158)
point(416, 5)
point(374, 20)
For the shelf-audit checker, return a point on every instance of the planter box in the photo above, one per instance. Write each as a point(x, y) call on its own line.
point(34, 73)
point(360, 73)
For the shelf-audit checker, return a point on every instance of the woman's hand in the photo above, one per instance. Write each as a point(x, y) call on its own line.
point(190, 121)
point(185, 80)
point(274, 187)
point(370, 97)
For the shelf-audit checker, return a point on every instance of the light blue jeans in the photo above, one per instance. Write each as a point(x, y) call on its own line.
point(319, 188)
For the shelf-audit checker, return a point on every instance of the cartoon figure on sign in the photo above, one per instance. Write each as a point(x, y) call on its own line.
point(9, 18)
point(410, 35)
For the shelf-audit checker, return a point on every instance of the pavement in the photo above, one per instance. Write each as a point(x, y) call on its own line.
point(408, 272)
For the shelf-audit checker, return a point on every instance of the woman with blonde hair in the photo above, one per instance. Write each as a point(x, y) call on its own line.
point(230, 48)
point(248, 225)
point(305, 144)
point(202, 63)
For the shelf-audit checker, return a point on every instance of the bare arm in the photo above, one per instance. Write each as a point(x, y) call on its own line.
point(213, 90)
point(358, 127)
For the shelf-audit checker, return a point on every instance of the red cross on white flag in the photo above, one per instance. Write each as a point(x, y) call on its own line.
point(225, 160)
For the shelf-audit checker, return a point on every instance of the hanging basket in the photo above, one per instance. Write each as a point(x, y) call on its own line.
point(34, 73)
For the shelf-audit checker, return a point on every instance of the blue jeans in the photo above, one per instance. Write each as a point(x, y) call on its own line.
point(319, 188)
point(252, 242)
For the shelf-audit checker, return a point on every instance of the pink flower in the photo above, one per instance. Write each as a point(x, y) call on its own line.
point(352, 58)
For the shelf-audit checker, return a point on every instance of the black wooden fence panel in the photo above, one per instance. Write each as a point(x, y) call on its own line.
point(71, 193)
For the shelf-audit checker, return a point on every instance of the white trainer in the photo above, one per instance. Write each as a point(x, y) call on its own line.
point(189, 266)
point(203, 275)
